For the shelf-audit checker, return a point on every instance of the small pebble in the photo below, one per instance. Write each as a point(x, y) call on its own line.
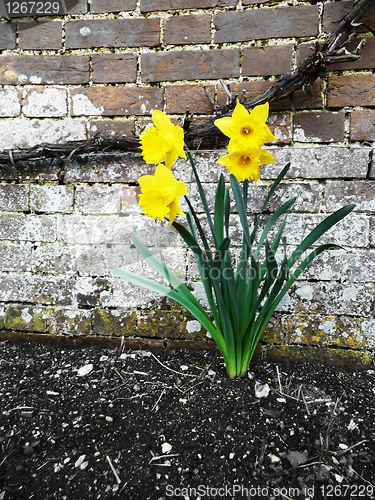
point(79, 461)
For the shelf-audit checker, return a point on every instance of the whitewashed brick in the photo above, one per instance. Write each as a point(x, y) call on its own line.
point(53, 199)
point(23, 133)
point(14, 197)
point(98, 200)
point(35, 289)
point(340, 193)
point(352, 231)
point(10, 105)
point(54, 258)
point(95, 260)
point(319, 162)
point(45, 102)
point(28, 227)
point(15, 257)
point(95, 230)
point(329, 298)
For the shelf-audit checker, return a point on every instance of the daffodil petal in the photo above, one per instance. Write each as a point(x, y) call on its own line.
point(260, 113)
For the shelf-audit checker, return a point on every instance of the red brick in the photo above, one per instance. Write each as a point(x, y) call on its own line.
point(267, 60)
point(362, 125)
point(7, 35)
point(112, 33)
point(323, 126)
point(111, 129)
point(334, 11)
point(102, 6)
point(152, 5)
point(280, 22)
point(248, 90)
point(40, 35)
point(190, 65)
point(112, 101)
point(366, 61)
point(179, 97)
point(114, 68)
point(279, 124)
point(351, 90)
point(26, 69)
point(180, 30)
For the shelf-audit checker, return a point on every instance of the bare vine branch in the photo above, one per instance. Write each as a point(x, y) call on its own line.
point(327, 52)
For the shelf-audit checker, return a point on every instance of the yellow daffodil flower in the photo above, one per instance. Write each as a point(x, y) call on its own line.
point(161, 194)
point(163, 142)
point(247, 130)
point(246, 164)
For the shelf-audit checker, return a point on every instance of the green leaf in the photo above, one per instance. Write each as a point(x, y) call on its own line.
point(238, 196)
point(219, 209)
point(279, 212)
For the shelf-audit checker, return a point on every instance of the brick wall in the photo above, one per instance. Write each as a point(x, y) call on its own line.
point(103, 67)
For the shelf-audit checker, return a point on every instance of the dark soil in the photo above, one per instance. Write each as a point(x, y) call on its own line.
point(170, 424)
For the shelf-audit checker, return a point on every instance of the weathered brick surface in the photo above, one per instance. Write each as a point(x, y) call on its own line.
point(36, 169)
point(35, 69)
point(319, 127)
point(329, 298)
point(100, 6)
point(190, 65)
point(362, 193)
point(116, 167)
point(98, 200)
point(45, 102)
point(187, 29)
point(112, 33)
point(319, 163)
point(14, 197)
point(51, 199)
point(194, 97)
point(7, 36)
point(111, 128)
point(362, 125)
point(307, 194)
point(10, 105)
point(38, 36)
point(15, 256)
point(372, 231)
point(114, 68)
point(267, 60)
point(110, 101)
point(23, 133)
point(152, 5)
point(70, 322)
point(351, 90)
point(258, 24)
point(37, 289)
point(28, 227)
point(114, 323)
point(26, 318)
point(53, 259)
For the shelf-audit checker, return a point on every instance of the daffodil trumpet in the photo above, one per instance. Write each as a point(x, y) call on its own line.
point(241, 297)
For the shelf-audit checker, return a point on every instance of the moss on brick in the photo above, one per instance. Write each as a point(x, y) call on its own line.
point(71, 322)
point(114, 323)
point(26, 318)
point(160, 324)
